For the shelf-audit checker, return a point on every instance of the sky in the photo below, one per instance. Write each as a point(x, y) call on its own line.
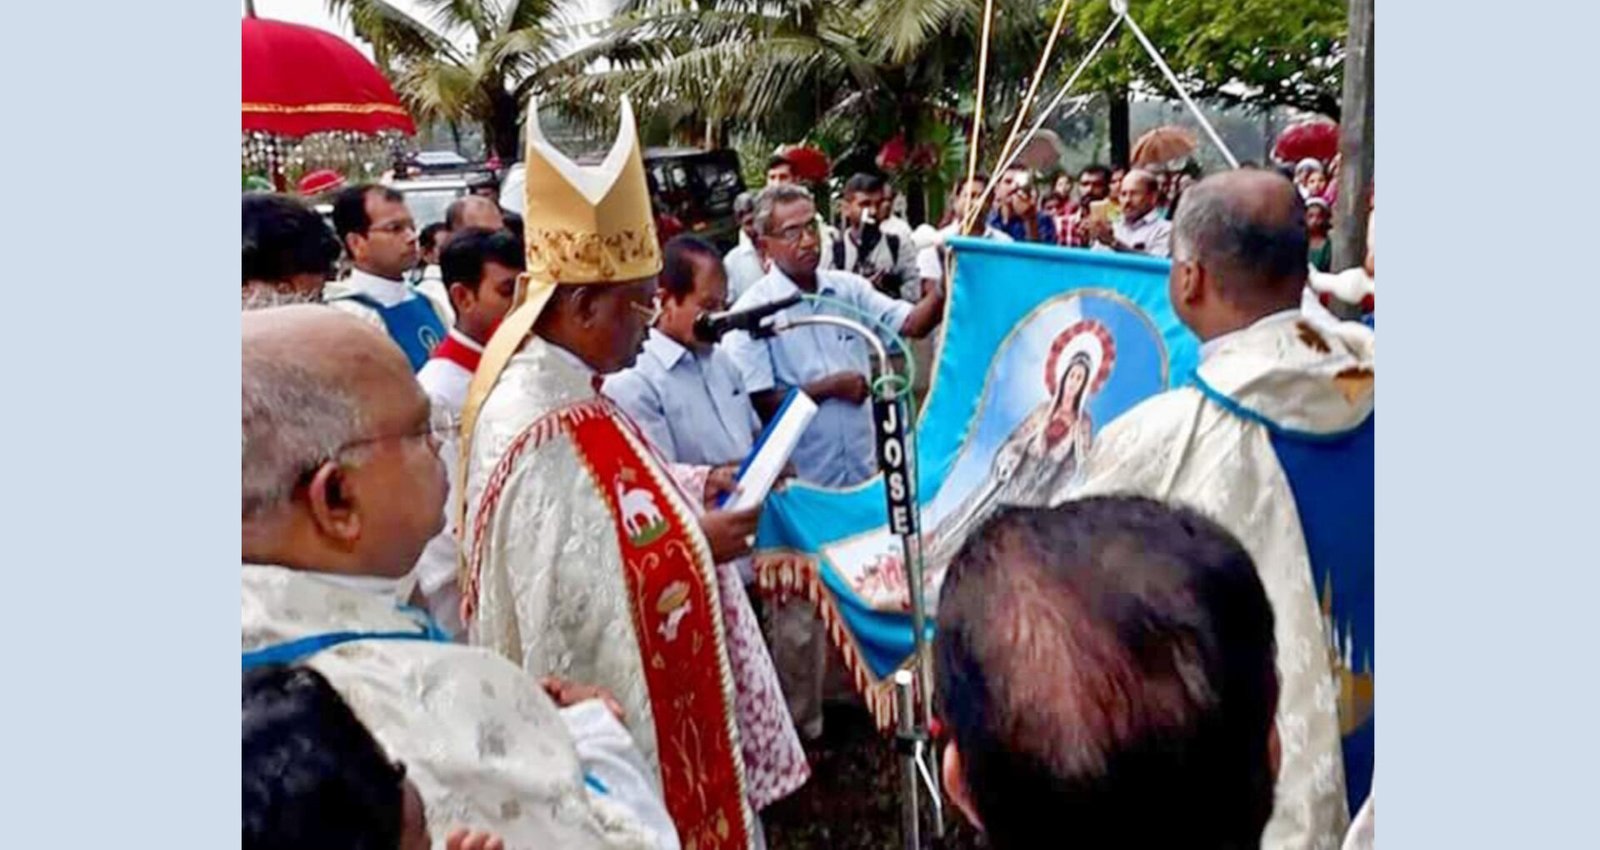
point(314, 13)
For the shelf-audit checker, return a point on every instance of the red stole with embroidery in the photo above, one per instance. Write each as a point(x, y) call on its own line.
point(672, 589)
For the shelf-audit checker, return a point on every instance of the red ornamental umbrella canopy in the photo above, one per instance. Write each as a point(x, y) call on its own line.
point(1314, 139)
point(300, 80)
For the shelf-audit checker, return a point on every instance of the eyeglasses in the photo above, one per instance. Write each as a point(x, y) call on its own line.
point(794, 232)
point(442, 426)
point(395, 227)
point(650, 313)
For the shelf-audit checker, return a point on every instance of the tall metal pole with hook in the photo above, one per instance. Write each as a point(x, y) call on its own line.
point(913, 693)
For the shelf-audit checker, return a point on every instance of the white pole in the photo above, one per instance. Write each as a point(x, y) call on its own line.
point(1173, 79)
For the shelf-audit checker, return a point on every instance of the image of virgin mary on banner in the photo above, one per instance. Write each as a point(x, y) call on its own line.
point(1040, 347)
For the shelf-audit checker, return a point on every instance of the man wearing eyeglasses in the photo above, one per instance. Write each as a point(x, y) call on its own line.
point(830, 366)
point(380, 236)
point(342, 487)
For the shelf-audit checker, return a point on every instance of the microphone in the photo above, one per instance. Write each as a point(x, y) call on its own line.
point(709, 327)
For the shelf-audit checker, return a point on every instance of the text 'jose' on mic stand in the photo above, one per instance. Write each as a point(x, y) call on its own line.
point(913, 693)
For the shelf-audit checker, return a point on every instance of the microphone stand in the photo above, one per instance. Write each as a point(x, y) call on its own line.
point(912, 740)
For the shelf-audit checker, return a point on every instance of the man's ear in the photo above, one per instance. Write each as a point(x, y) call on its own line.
point(1274, 750)
point(462, 297)
point(331, 499)
point(1192, 282)
point(350, 242)
point(955, 785)
point(586, 304)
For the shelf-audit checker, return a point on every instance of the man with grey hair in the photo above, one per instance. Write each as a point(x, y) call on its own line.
point(1141, 229)
point(1274, 440)
point(837, 449)
point(744, 264)
point(342, 488)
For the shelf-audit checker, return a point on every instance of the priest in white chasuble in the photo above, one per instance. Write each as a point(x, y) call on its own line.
point(584, 557)
point(343, 487)
point(1274, 440)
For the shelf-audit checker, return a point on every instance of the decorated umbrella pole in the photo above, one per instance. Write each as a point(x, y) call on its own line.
point(310, 99)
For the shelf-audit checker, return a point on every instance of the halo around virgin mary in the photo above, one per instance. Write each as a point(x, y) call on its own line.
point(1047, 449)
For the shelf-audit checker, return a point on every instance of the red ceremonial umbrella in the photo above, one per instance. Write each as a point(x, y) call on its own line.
point(310, 98)
point(299, 80)
point(1317, 138)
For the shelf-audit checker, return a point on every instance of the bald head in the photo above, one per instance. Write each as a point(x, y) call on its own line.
point(1139, 193)
point(311, 377)
point(325, 342)
point(1246, 228)
point(1141, 179)
point(474, 211)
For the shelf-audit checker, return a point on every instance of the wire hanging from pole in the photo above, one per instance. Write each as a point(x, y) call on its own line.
point(1155, 56)
point(977, 113)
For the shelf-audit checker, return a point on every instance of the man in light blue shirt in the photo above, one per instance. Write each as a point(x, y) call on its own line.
point(687, 396)
point(829, 364)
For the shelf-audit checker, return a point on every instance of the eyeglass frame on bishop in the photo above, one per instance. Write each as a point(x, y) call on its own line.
point(651, 313)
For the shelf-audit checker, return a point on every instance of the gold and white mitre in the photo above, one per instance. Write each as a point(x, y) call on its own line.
point(581, 225)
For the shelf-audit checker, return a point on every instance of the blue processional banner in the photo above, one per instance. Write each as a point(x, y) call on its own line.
point(1041, 347)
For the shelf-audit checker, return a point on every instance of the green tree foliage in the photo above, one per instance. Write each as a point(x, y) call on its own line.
point(1234, 52)
point(485, 83)
point(846, 75)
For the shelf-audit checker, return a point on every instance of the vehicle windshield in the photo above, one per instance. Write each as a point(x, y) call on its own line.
point(428, 205)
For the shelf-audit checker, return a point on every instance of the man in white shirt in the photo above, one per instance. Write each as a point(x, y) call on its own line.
point(744, 264)
point(1141, 230)
point(480, 268)
point(885, 259)
point(381, 237)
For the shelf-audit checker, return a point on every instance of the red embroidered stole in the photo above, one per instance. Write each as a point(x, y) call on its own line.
point(672, 589)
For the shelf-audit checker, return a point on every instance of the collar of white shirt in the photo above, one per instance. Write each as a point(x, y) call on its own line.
point(783, 286)
point(1149, 218)
point(664, 349)
point(1210, 346)
point(381, 289)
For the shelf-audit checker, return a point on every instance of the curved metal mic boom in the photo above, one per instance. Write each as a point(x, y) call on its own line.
point(710, 327)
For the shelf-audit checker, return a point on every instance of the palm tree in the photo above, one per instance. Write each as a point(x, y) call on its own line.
point(787, 69)
point(486, 83)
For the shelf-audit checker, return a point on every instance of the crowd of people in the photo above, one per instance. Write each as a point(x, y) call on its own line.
point(492, 596)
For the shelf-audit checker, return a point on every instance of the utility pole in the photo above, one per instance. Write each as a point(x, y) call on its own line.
point(1355, 141)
